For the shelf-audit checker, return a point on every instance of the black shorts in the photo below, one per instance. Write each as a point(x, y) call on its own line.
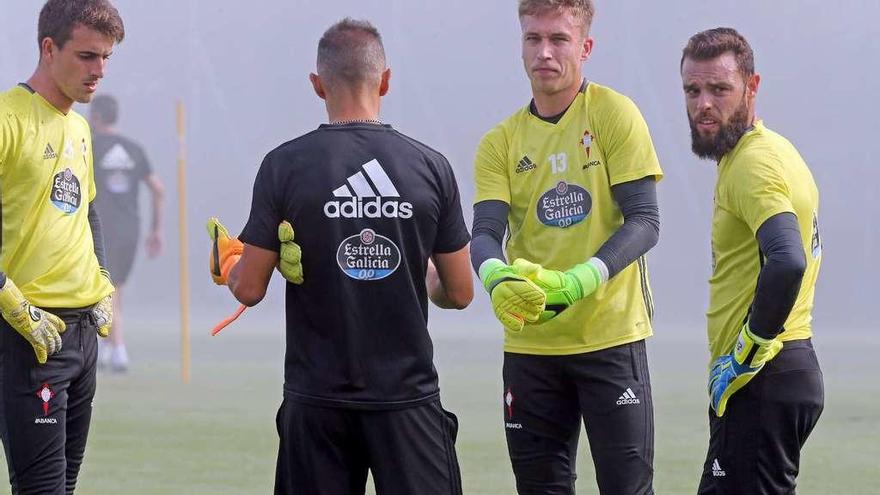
point(45, 410)
point(121, 245)
point(545, 399)
point(327, 451)
point(755, 447)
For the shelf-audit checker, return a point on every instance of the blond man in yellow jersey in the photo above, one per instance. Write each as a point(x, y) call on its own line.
point(765, 385)
point(571, 177)
point(54, 295)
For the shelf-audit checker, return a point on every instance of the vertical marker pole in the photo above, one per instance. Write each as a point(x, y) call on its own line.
point(184, 244)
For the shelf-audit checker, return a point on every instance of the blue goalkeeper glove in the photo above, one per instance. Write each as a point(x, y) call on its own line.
point(733, 371)
point(562, 288)
point(40, 328)
point(290, 255)
point(515, 299)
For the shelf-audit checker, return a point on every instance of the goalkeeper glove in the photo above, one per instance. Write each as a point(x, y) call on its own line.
point(515, 299)
point(290, 259)
point(733, 371)
point(561, 288)
point(225, 251)
point(42, 329)
point(103, 312)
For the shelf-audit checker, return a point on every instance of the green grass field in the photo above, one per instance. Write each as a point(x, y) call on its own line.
point(153, 435)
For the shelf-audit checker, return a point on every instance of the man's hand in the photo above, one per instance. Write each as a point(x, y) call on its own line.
point(103, 312)
point(515, 299)
point(733, 371)
point(42, 329)
point(225, 251)
point(154, 244)
point(290, 257)
point(562, 289)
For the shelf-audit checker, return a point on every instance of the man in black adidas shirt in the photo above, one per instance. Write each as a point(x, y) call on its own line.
point(120, 166)
point(374, 212)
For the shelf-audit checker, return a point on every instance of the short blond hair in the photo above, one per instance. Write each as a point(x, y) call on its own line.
point(582, 10)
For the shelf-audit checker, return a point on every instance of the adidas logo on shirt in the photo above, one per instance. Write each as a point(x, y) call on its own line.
point(628, 397)
point(366, 191)
point(525, 164)
point(716, 469)
point(49, 153)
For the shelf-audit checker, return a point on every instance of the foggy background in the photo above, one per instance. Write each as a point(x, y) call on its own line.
point(241, 69)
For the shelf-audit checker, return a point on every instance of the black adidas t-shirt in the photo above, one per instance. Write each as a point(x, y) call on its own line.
point(368, 206)
point(120, 166)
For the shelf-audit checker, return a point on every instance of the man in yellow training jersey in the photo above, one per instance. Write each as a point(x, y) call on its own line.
point(765, 385)
point(572, 177)
point(54, 293)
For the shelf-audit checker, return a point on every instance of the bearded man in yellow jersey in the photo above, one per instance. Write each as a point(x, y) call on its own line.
point(572, 177)
point(765, 385)
point(55, 297)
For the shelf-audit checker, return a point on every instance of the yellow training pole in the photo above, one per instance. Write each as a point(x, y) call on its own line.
point(184, 245)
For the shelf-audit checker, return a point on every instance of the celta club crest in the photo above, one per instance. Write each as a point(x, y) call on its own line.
point(508, 400)
point(45, 394)
point(587, 141)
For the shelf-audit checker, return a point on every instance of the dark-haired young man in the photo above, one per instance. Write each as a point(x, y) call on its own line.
point(765, 385)
point(54, 293)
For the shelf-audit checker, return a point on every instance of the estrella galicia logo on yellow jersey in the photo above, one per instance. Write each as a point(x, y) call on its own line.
point(564, 205)
point(368, 256)
point(66, 193)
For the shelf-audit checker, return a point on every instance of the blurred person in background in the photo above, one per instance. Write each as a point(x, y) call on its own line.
point(55, 294)
point(378, 218)
point(121, 165)
point(572, 177)
point(765, 386)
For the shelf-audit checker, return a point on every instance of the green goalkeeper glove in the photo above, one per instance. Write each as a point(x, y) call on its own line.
point(42, 329)
point(515, 299)
point(733, 371)
point(561, 288)
point(290, 257)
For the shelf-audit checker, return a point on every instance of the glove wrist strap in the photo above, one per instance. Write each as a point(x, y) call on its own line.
point(10, 296)
point(587, 275)
point(487, 271)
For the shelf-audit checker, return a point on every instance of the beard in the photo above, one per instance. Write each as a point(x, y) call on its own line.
point(725, 139)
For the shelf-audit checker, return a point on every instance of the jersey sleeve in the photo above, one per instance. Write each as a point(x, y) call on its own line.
point(755, 190)
point(90, 161)
point(261, 229)
point(627, 143)
point(7, 142)
point(143, 169)
point(452, 233)
point(490, 168)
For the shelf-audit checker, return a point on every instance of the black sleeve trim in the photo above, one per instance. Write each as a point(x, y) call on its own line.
point(640, 231)
point(97, 236)
point(780, 278)
point(490, 222)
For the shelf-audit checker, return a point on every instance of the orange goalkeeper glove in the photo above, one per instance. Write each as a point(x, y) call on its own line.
point(225, 251)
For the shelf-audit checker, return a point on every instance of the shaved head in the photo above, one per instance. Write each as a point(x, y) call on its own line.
point(350, 54)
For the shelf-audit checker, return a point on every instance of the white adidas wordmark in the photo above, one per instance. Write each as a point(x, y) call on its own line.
point(716, 469)
point(628, 397)
point(370, 182)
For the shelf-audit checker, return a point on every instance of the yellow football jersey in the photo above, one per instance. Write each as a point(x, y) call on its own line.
point(46, 184)
point(762, 176)
point(557, 180)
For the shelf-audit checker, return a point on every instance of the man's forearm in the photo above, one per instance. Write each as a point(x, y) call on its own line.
point(780, 278)
point(640, 231)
